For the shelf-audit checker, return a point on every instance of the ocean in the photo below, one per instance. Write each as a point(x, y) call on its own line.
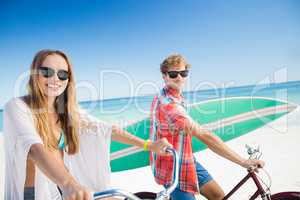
point(129, 109)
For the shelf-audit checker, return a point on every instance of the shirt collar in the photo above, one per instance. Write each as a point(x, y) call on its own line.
point(173, 92)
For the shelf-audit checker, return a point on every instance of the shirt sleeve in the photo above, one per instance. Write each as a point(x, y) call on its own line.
point(177, 115)
point(91, 165)
point(91, 125)
point(19, 124)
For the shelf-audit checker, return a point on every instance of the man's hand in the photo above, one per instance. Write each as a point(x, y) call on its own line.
point(253, 164)
point(160, 146)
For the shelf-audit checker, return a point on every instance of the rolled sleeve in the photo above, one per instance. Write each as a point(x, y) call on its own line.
point(177, 115)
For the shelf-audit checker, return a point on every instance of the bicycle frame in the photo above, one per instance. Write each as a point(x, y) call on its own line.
point(290, 195)
point(260, 191)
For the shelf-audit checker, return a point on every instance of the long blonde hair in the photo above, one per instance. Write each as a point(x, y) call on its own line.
point(65, 105)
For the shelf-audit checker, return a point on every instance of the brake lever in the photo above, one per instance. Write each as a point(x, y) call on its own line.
point(254, 153)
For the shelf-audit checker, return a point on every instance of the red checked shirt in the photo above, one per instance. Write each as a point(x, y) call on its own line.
point(168, 118)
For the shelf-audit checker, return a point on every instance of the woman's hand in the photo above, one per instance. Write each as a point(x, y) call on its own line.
point(73, 191)
point(160, 146)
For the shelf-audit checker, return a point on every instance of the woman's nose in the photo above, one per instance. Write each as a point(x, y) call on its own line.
point(54, 78)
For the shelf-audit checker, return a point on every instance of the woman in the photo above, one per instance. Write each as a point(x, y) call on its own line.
point(52, 148)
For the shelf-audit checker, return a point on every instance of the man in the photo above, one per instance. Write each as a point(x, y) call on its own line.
point(169, 119)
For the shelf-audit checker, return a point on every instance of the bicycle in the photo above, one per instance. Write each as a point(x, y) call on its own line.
point(265, 194)
point(254, 153)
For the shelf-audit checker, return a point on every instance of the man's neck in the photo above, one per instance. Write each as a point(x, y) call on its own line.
point(173, 91)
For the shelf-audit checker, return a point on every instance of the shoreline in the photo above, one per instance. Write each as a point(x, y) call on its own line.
point(271, 85)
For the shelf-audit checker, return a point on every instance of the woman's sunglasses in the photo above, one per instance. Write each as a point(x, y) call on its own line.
point(48, 72)
point(174, 74)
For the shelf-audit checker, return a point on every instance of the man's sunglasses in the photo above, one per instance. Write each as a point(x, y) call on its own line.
point(48, 72)
point(174, 74)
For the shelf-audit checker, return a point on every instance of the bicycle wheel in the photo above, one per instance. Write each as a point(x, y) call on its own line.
point(145, 195)
point(286, 196)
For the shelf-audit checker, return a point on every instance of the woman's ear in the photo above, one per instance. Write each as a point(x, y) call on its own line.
point(164, 76)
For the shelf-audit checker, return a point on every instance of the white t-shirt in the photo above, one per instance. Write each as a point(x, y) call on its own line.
point(90, 166)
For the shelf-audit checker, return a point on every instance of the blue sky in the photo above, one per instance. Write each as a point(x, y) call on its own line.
point(241, 42)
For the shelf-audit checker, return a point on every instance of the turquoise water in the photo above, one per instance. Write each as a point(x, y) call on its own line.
point(124, 110)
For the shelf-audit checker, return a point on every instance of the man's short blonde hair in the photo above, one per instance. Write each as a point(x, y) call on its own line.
point(172, 60)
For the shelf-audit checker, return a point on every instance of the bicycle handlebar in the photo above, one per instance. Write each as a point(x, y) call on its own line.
point(166, 193)
point(161, 195)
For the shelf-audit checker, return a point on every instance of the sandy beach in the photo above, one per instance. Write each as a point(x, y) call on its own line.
point(279, 142)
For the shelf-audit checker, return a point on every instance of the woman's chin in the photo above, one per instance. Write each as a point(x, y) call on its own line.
point(53, 93)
